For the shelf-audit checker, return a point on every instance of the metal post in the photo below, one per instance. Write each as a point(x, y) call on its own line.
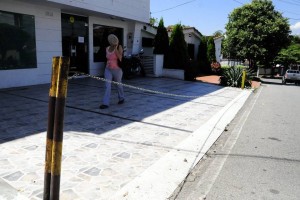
point(61, 94)
point(57, 96)
point(49, 141)
point(243, 79)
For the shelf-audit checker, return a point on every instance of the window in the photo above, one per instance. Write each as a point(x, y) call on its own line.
point(147, 42)
point(100, 34)
point(191, 51)
point(17, 41)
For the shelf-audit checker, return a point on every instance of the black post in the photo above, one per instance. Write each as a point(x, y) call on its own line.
point(49, 141)
point(61, 94)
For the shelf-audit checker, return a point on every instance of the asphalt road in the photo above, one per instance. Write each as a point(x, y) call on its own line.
point(258, 155)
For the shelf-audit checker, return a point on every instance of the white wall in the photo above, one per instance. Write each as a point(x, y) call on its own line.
point(149, 33)
point(192, 38)
point(48, 44)
point(97, 68)
point(49, 41)
point(138, 10)
point(218, 47)
point(230, 62)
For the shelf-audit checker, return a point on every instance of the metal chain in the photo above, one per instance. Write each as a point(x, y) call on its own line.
point(133, 87)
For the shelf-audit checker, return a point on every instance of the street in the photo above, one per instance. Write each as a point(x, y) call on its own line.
point(258, 155)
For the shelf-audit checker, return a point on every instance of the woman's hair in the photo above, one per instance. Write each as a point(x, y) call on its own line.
point(112, 39)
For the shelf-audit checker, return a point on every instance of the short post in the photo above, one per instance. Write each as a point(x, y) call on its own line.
point(58, 93)
point(49, 140)
point(61, 95)
point(243, 79)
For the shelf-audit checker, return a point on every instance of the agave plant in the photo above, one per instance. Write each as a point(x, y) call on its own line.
point(232, 76)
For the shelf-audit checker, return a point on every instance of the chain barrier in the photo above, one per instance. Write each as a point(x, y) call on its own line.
point(132, 87)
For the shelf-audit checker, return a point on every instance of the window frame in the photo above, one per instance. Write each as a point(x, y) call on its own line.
point(18, 41)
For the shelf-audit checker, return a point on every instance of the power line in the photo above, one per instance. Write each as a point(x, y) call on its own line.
point(291, 3)
point(293, 19)
point(239, 2)
point(285, 11)
point(174, 7)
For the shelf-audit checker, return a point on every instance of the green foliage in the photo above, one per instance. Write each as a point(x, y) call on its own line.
point(178, 49)
point(191, 71)
point(161, 40)
point(202, 56)
point(226, 50)
point(256, 32)
point(232, 76)
point(217, 34)
point(153, 21)
point(291, 54)
point(211, 50)
point(295, 39)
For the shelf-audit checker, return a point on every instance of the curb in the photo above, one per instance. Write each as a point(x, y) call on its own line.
point(161, 179)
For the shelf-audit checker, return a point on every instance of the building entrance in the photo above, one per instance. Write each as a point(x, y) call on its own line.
point(75, 42)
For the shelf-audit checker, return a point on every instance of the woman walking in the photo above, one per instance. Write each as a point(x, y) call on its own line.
point(113, 72)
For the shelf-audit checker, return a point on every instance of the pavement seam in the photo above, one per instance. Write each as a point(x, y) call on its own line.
point(161, 179)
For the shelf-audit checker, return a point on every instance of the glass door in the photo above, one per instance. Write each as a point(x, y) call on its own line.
point(75, 42)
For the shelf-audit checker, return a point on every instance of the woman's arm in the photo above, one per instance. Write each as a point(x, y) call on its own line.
point(119, 52)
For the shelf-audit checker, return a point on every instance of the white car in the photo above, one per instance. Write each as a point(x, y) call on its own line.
point(291, 76)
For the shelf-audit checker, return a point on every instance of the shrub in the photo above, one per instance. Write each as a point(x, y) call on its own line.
point(161, 40)
point(191, 71)
point(215, 67)
point(178, 49)
point(211, 50)
point(202, 56)
point(232, 76)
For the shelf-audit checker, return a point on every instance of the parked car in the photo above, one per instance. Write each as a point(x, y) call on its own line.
point(291, 76)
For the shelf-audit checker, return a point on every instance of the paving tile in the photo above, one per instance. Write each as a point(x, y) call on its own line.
point(103, 150)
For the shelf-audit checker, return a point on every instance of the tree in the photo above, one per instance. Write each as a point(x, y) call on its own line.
point(290, 55)
point(211, 50)
point(202, 56)
point(153, 21)
point(218, 33)
point(178, 49)
point(161, 40)
point(256, 32)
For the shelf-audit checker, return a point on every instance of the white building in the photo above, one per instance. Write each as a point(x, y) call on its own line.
point(32, 32)
point(192, 37)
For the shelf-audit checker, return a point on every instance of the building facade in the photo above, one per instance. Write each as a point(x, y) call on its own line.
point(33, 32)
point(192, 37)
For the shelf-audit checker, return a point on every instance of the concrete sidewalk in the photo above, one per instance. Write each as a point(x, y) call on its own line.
point(142, 149)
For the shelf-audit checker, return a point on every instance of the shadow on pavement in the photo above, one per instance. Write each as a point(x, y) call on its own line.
point(24, 110)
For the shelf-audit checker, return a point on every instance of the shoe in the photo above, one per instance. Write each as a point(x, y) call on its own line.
point(121, 101)
point(103, 106)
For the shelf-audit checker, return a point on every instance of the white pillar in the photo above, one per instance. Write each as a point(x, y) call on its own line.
point(137, 38)
point(158, 65)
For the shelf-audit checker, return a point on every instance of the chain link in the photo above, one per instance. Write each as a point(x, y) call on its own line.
point(132, 87)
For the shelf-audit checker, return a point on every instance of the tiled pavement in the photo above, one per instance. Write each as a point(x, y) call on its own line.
point(104, 151)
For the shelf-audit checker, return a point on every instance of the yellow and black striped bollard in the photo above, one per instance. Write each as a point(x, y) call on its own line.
point(57, 98)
